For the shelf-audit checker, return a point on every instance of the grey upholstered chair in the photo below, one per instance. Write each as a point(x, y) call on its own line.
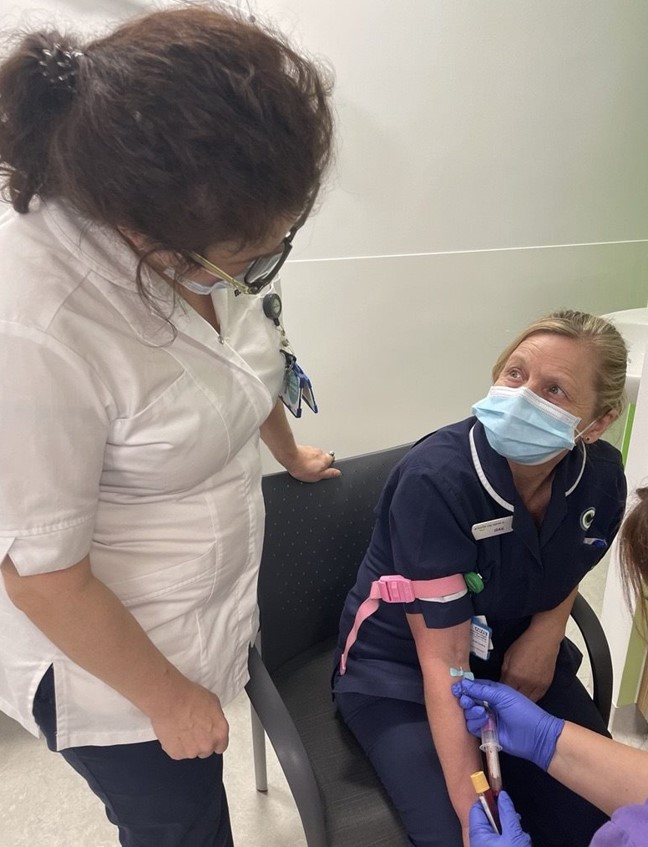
point(316, 536)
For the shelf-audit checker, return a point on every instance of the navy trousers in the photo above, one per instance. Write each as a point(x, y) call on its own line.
point(155, 801)
point(395, 736)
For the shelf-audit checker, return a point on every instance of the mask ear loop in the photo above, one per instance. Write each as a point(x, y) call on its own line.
point(582, 435)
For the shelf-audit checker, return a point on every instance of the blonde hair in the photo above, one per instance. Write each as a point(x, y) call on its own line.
point(604, 339)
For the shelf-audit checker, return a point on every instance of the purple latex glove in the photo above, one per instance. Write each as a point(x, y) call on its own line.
point(525, 729)
point(481, 832)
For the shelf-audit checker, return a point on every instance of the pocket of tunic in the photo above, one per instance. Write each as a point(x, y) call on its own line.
point(171, 592)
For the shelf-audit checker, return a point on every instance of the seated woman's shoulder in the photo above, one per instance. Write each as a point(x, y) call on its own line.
point(603, 451)
point(448, 445)
point(453, 436)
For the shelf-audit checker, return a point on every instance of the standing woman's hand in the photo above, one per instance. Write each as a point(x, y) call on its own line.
point(307, 464)
point(310, 464)
point(189, 721)
point(89, 623)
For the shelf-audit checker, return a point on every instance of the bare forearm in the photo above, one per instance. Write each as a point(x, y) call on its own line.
point(308, 464)
point(457, 750)
point(438, 651)
point(89, 624)
point(530, 662)
point(552, 624)
point(606, 773)
point(277, 435)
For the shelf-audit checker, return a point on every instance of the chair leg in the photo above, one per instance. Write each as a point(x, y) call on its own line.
point(290, 751)
point(599, 655)
point(259, 750)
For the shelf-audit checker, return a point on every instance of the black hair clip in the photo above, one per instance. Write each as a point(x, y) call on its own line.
point(59, 66)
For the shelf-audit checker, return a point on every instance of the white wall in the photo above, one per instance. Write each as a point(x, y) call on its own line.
point(513, 129)
point(492, 165)
point(77, 15)
point(468, 125)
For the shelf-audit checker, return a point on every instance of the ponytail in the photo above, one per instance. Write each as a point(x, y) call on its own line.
point(37, 86)
point(633, 555)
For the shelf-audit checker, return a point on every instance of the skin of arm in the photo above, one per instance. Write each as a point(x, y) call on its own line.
point(438, 650)
point(87, 621)
point(530, 662)
point(308, 464)
point(603, 771)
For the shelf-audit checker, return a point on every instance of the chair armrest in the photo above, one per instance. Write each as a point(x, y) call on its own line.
point(288, 746)
point(598, 652)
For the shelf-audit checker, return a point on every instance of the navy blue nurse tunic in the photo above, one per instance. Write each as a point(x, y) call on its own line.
point(450, 482)
point(432, 520)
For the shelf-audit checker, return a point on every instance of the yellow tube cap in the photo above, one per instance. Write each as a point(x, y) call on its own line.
point(479, 781)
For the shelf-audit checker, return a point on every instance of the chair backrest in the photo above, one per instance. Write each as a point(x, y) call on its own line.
point(315, 538)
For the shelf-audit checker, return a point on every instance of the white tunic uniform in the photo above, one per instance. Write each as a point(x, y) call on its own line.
point(135, 445)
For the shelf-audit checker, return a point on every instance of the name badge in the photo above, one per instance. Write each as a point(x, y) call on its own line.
point(297, 386)
point(480, 637)
point(487, 529)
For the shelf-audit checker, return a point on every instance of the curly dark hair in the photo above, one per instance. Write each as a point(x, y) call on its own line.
point(633, 554)
point(191, 126)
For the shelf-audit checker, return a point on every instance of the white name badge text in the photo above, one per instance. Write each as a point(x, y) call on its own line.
point(487, 529)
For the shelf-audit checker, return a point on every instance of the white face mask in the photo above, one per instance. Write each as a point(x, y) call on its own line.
point(196, 287)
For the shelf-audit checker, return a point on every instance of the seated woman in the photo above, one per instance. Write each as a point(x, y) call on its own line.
point(497, 516)
point(611, 775)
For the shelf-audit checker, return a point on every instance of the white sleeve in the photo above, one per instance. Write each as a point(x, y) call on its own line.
point(54, 424)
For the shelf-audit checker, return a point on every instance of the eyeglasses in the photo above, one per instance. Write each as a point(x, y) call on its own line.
point(260, 272)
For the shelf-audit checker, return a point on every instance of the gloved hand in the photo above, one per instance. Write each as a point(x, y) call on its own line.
point(481, 832)
point(525, 729)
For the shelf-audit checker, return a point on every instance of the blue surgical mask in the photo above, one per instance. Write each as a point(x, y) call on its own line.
point(523, 427)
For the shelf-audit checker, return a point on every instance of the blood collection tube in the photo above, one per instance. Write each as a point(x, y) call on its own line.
point(491, 748)
point(487, 799)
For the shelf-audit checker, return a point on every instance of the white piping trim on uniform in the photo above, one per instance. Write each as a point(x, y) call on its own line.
point(582, 471)
point(482, 476)
point(447, 598)
point(489, 488)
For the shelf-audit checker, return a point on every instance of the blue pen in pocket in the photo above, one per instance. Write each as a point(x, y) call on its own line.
point(600, 543)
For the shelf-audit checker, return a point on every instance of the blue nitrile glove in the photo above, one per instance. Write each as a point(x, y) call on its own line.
point(481, 832)
point(525, 729)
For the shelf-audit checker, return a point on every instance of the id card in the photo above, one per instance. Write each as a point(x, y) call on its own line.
point(481, 643)
point(297, 387)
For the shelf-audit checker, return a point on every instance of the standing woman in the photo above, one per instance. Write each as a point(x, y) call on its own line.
point(158, 177)
point(497, 516)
